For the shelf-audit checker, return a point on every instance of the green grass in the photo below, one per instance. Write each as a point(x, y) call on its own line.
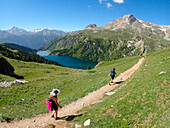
point(141, 101)
point(27, 100)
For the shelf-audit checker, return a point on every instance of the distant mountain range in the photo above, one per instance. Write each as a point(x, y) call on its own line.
point(125, 36)
point(33, 39)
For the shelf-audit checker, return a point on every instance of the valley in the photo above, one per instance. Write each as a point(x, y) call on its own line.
point(145, 93)
point(73, 107)
point(139, 51)
point(43, 77)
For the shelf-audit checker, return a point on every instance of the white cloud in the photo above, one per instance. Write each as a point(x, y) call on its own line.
point(118, 1)
point(109, 5)
point(100, 1)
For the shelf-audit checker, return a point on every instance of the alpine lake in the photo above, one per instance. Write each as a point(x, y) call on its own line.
point(67, 61)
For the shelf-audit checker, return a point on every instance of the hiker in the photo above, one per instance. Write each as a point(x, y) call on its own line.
point(54, 104)
point(112, 75)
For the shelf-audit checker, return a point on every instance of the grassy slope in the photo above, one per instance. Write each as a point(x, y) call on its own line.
point(26, 100)
point(142, 101)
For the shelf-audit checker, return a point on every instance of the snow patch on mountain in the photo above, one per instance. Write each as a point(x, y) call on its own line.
point(36, 30)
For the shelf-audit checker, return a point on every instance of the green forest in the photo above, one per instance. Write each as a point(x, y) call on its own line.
point(24, 56)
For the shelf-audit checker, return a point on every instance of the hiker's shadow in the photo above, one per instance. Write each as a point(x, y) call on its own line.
point(119, 82)
point(114, 83)
point(69, 118)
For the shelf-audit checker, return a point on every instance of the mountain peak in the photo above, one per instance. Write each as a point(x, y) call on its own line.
point(14, 28)
point(17, 31)
point(91, 26)
point(123, 22)
point(129, 18)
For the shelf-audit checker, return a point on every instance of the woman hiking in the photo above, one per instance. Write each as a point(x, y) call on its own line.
point(112, 75)
point(53, 102)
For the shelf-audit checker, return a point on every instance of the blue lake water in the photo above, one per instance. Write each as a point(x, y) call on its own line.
point(72, 62)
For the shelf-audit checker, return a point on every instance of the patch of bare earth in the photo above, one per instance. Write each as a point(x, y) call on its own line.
point(69, 111)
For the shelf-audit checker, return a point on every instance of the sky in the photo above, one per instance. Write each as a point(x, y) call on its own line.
point(73, 15)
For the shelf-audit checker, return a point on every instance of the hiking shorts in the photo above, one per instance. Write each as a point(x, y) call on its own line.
point(54, 106)
point(112, 77)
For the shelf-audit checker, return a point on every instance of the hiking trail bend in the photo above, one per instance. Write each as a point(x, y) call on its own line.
point(42, 120)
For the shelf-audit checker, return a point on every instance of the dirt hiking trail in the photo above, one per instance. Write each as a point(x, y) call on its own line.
point(69, 110)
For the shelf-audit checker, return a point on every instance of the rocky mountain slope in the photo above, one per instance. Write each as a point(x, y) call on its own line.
point(32, 39)
point(125, 36)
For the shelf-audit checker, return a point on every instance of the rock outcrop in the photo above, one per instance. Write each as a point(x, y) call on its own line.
point(7, 69)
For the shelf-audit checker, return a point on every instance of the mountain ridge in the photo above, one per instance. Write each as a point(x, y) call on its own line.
point(32, 39)
point(124, 36)
point(129, 19)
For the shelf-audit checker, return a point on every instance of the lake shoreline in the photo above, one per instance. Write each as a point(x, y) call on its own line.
point(68, 61)
point(98, 64)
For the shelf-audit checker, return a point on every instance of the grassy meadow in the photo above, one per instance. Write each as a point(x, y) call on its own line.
point(141, 101)
point(27, 100)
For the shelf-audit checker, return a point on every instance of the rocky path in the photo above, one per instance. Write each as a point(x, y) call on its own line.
point(43, 119)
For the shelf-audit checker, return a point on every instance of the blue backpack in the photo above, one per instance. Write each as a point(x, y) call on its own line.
point(112, 73)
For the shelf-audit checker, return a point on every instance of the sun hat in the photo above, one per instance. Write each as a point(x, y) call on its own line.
point(55, 92)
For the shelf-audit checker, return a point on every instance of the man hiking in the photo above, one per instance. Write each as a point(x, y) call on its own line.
point(112, 75)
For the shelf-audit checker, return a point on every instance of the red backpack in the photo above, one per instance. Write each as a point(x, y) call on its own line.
point(49, 104)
